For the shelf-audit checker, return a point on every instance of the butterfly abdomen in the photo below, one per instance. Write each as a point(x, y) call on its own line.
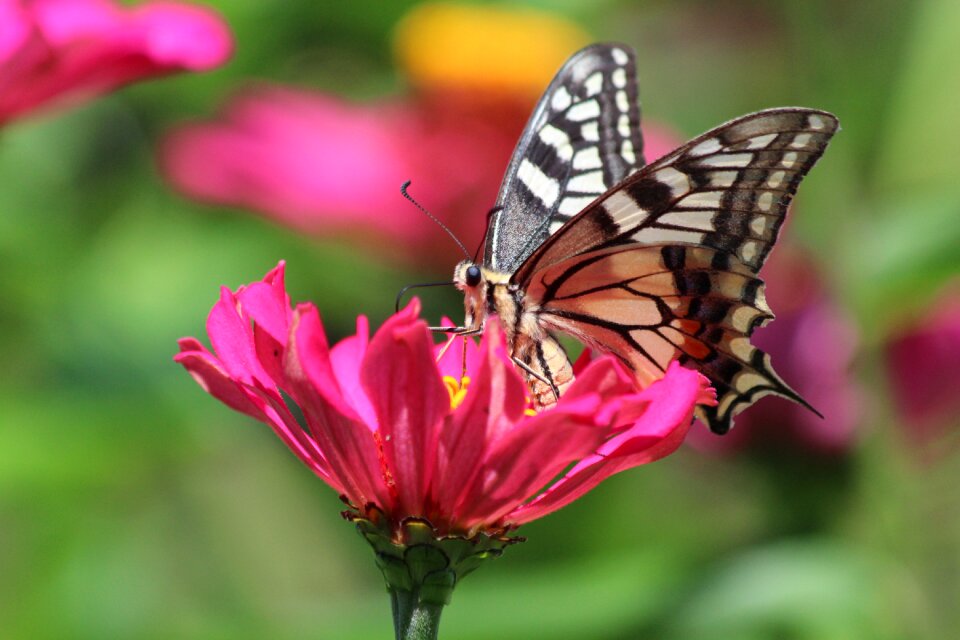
point(540, 358)
point(546, 366)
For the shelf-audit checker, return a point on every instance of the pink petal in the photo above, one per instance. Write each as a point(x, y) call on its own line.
point(16, 31)
point(232, 338)
point(602, 376)
point(346, 358)
point(261, 404)
point(528, 456)
point(404, 386)
point(347, 444)
point(288, 429)
point(183, 36)
point(319, 164)
point(495, 401)
point(311, 161)
point(268, 304)
point(923, 363)
point(660, 428)
point(58, 49)
point(213, 379)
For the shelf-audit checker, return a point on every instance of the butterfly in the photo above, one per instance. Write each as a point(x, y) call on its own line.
point(649, 262)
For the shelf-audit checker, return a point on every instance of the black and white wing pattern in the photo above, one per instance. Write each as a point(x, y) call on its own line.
point(582, 139)
point(664, 265)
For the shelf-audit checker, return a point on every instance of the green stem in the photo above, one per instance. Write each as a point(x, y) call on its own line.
point(414, 619)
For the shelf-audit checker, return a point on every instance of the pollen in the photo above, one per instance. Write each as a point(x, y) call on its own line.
point(531, 409)
point(457, 389)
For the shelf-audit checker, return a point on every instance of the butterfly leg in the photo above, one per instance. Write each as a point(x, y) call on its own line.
point(544, 379)
point(456, 332)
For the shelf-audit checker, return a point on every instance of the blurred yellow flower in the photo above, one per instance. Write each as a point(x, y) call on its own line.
point(499, 49)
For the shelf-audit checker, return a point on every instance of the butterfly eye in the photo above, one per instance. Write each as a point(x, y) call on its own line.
point(473, 276)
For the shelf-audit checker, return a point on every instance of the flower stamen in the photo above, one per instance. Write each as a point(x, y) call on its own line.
point(530, 409)
point(457, 389)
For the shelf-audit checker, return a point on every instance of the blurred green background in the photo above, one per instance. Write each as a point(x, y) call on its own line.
point(132, 505)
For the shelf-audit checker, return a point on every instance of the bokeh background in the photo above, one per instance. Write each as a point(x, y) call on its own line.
point(132, 505)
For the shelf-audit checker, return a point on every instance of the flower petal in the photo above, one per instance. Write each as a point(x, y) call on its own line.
point(58, 49)
point(346, 358)
point(665, 411)
point(605, 376)
point(232, 338)
point(262, 404)
point(268, 304)
point(528, 456)
point(495, 401)
point(298, 157)
point(183, 36)
point(403, 383)
point(347, 443)
point(923, 365)
point(212, 378)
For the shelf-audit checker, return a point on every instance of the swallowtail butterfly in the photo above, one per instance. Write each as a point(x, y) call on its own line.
point(650, 263)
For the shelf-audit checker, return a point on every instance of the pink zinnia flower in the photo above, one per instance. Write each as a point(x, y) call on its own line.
point(56, 51)
point(384, 427)
point(421, 455)
point(321, 165)
point(923, 365)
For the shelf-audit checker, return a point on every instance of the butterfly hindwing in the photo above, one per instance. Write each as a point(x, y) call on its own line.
point(583, 138)
point(650, 304)
point(664, 265)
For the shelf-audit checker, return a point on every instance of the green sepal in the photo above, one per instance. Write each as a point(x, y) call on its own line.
point(415, 559)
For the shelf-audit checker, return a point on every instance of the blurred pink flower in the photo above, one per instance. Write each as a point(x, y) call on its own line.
point(57, 51)
point(812, 345)
point(318, 164)
point(923, 365)
point(391, 428)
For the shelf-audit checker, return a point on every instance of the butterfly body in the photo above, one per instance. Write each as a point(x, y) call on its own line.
point(535, 351)
point(651, 263)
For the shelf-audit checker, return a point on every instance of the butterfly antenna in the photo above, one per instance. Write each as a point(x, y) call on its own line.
point(403, 190)
point(415, 286)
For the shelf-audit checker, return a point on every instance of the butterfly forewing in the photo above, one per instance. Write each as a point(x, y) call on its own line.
point(728, 189)
point(582, 139)
point(664, 265)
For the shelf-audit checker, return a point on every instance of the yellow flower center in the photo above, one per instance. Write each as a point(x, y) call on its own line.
point(457, 389)
point(530, 410)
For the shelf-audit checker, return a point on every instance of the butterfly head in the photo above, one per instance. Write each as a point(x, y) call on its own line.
point(469, 278)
